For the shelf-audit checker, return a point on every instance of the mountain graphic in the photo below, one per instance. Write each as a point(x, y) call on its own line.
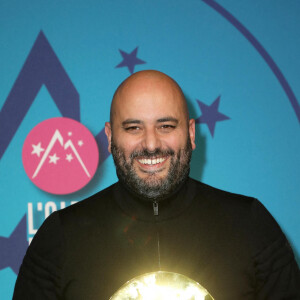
point(57, 137)
point(13, 248)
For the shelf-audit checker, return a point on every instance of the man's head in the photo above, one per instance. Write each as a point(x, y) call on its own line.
point(150, 135)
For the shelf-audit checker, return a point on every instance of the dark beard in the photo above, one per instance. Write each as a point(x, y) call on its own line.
point(152, 188)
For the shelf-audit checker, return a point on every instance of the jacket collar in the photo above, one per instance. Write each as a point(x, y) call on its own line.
point(141, 209)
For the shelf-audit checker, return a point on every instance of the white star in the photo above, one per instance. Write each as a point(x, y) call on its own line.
point(69, 133)
point(53, 158)
point(80, 143)
point(69, 157)
point(37, 149)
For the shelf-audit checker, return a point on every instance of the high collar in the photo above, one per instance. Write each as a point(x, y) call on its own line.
point(142, 210)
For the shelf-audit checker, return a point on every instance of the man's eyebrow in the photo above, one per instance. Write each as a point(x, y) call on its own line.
point(131, 121)
point(168, 119)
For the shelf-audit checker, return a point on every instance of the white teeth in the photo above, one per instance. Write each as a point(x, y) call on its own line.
point(151, 161)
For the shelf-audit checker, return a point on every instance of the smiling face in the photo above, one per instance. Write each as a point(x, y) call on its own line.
point(150, 136)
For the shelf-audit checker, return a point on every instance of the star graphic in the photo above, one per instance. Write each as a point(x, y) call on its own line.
point(80, 143)
point(130, 60)
point(69, 133)
point(211, 115)
point(69, 157)
point(37, 149)
point(13, 248)
point(53, 159)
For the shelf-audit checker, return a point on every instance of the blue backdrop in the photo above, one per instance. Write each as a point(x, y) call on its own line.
point(237, 62)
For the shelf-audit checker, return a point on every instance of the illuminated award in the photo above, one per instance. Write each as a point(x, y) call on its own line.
point(162, 285)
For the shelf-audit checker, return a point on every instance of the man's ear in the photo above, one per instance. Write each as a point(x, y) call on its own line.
point(108, 134)
point(192, 133)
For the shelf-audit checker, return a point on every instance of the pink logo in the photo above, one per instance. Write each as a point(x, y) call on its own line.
point(60, 155)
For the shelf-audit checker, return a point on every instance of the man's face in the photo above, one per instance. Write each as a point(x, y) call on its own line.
point(151, 139)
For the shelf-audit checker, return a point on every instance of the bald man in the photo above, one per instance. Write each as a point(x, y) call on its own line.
point(156, 218)
point(150, 135)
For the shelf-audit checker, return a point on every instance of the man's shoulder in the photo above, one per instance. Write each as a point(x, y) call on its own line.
point(96, 202)
point(228, 202)
point(236, 209)
point(217, 194)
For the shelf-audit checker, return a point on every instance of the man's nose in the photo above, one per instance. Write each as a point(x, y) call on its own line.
point(151, 140)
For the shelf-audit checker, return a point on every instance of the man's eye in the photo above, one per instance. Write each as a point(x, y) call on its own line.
point(167, 127)
point(132, 128)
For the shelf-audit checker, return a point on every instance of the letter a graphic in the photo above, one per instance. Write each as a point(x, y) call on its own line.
point(41, 67)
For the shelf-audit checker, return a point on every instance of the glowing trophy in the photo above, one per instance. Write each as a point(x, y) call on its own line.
point(162, 285)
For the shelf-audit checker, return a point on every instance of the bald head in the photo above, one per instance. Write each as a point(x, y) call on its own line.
point(148, 85)
point(150, 135)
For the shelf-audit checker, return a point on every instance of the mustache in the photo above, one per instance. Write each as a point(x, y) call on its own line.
point(148, 154)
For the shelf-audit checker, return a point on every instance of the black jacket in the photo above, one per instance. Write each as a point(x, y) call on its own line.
point(228, 243)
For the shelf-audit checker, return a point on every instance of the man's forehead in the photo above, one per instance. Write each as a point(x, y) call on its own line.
point(160, 120)
point(147, 92)
point(149, 111)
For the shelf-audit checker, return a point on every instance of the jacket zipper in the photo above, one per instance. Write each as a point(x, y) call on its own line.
point(155, 213)
point(155, 208)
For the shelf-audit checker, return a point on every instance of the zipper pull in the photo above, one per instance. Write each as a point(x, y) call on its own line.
point(155, 208)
